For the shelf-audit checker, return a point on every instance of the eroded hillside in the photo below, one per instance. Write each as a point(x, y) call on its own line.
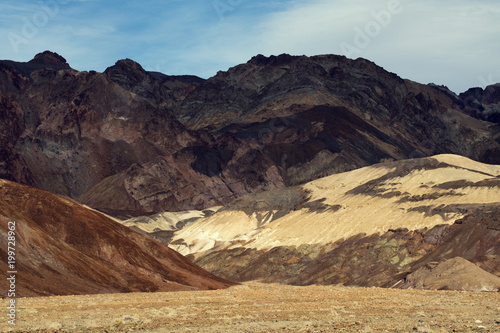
point(371, 226)
point(63, 248)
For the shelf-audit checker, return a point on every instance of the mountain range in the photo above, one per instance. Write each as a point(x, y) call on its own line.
point(130, 142)
point(291, 169)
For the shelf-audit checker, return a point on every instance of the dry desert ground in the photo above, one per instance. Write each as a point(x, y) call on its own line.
point(257, 307)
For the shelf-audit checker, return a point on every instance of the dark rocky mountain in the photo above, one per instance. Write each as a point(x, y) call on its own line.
point(50, 59)
point(131, 142)
point(483, 103)
point(159, 88)
point(63, 248)
point(65, 131)
point(41, 61)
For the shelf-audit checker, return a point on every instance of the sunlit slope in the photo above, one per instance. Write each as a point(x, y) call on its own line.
point(409, 194)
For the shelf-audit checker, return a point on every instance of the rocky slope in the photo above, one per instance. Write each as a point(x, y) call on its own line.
point(63, 248)
point(372, 226)
point(483, 103)
point(68, 130)
point(130, 142)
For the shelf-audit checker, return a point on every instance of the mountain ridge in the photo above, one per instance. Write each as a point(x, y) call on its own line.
point(179, 143)
point(326, 170)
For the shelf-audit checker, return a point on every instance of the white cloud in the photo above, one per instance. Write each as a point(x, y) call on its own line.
point(451, 42)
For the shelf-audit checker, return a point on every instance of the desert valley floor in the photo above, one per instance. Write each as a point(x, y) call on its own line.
point(257, 307)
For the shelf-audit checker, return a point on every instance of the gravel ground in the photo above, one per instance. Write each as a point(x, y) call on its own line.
point(256, 307)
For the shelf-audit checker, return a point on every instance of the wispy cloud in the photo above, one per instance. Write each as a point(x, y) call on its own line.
point(447, 42)
point(450, 42)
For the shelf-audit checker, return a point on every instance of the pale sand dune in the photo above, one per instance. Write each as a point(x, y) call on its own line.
point(369, 200)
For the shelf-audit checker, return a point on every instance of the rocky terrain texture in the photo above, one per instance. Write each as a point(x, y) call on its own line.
point(63, 248)
point(130, 142)
point(372, 226)
point(65, 131)
point(263, 308)
point(483, 103)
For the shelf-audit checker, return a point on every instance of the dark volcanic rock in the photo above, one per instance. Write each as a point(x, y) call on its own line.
point(42, 60)
point(402, 118)
point(163, 90)
point(48, 58)
point(484, 103)
point(70, 130)
point(12, 165)
point(180, 142)
point(190, 179)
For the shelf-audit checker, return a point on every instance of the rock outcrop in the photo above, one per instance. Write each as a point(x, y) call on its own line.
point(484, 103)
point(50, 59)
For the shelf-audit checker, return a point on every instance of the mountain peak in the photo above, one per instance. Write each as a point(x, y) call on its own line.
point(127, 64)
point(49, 58)
point(128, 74)
point(126, 68)
point(273, 60)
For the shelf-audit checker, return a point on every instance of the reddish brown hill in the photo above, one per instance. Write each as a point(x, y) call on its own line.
point(476, 238)
point(64, 248)
point(455, 274)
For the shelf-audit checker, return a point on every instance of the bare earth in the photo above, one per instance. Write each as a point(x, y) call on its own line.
point(256, 307)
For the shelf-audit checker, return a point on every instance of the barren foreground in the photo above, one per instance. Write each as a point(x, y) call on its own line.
point(256, 307)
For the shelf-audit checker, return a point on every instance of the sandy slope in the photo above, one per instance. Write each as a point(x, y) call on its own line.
point(410, 194)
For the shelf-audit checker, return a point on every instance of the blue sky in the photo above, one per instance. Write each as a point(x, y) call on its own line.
point(449, 42)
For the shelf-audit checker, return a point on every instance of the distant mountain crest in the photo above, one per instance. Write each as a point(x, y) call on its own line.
point(49, 58)
point(272, 60)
